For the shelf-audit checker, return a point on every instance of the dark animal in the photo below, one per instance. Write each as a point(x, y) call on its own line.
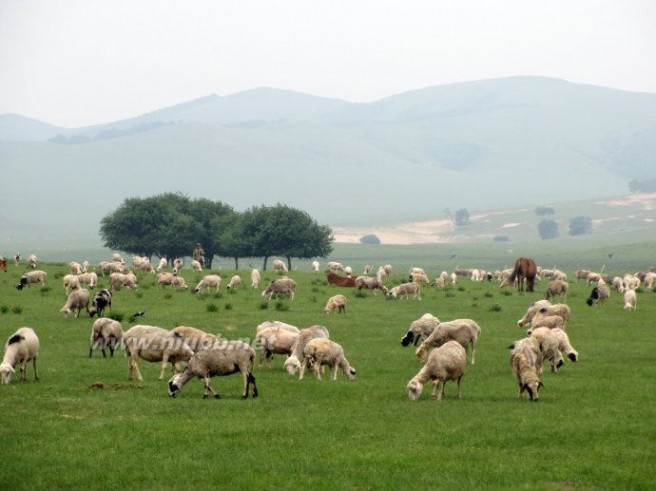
point(21, 283)
point(101, 300)
point(335, 279)
point(3, 264)
point(525, 269)
point(598, 294)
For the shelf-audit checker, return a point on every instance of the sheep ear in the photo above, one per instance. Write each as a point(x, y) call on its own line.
point(540, 384)
point(512, 346)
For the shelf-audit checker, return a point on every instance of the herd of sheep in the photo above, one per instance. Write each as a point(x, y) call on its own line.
point(443, 347)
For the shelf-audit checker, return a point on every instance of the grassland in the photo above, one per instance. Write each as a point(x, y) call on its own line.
point(592, 429)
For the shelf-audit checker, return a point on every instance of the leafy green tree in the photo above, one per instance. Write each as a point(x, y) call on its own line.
point(544, 210)
point(462, 217)
point(580, 225)
point(548, 229)
point(370, 239)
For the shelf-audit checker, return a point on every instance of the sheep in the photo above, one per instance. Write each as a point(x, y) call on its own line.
point(631, 282)
point(196, 266)
point(77, 300)
point(101, 300)
point(556, 287)
point(16, 259)
point(630, 300)
point(618, 284)
point(21, 347)
point(195, 338)
point(418, 277)
point(105, 332)
point(366, 269)
point(323, 351)
point(439, 282)
point(71, 282)
point(548, 321)
point(475, 275)
point(280, 286)
point(279, 266)
point(85, 266)
point(348, 271)
point(143, 265)
point(179, 282)
point(564, 345)
point(166, 278)
point(116, 258)
point(108, 267)
point(454, 278)
point(336, 302)
point(420, 329)
point(32, 277)
point(163, 263)
point(381, 274)
point(405, 289)
point(234, 282)
point(275, 340)
point(545, 307)
point(650, 279)
point(465, 331)
point(581, 274)
point(76, 268)
point(154, 344)
point(335, 267)
point(228, 358)
point(207, 283)
point(524, 362)
point(32, 261)
point(316, 266)
point(548, 343)
point(388, 269)
point(89, 279)
point(128, 281)
point(255, 278)
point(447, 362)
point(294, 362)
point(279, 324)
point(599, 294)
point(370, 283)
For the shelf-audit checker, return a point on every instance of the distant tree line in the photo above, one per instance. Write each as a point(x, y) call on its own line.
point(170, 224)
point(644, 186)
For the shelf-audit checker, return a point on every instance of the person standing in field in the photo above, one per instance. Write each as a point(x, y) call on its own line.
point(199, 254)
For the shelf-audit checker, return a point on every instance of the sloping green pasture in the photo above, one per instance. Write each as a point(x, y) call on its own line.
point(84, 425)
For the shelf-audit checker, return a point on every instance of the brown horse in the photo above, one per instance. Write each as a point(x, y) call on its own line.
point(525, 268)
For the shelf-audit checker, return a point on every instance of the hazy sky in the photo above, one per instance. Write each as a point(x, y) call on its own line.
point(80, 62)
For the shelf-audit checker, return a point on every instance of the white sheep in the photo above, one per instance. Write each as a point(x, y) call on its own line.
point(196, 266)
point(208, 282)
point(77, 300)
point(178, 263)
point(116, 258)
point(279, 266)
point(31, 278)
point(372, 283)
point(284, 286)
point(154, 344)
point(545, 307)
point(90, 279)
point(294, 362)
point(631, 282)
point(420, 329)
point(71, 282)
point(108, 267)
point(21, 347)
point(336, 302)
point(454, 278)
point(234, 282)
point(323, 351)
point(166, 278)
point(524, 363)
point(127, 281)
point(405, 289)
point(447, 362)
point(439, 282)
point(348, 271)
point(548, 343)
point(366, 269)
point(76, 268)
point(316, 266)
point(335, 267)
point(32, 261)
point(105, 332)
point(465, 331)
point(255, 278)
point(144, 265)
point(163, 263)
point(278, 324)
point(196, 339)
point(274, 340)
point(548, 321)
point(85, 266)
point(556, 288)
point(225, 359)
point(650, 279)
point(629, 300)
point(419, 277)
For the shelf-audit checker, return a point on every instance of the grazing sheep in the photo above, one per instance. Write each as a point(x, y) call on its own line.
point(90, 279)
point(630, 300)
point(465, 331)
point(279, 266)
point(77, 300)
point(108, 267)
point(323, 351)
point(105, 332)
point(556, 288)
point(179, 282)
point(336, 302)
point(420, 329)
point(154, 344)
point(116, 258)
point(631, 282)
point(405, 289)
point(548, 321)
point(284, 286)
point(255, 278)
point(71, 282)
point(16, 259)
point(85, 266)
point(650, 279)
point(447, 362)
point(581, 274)
point(335, 267)
point(127, 281)
point(294, 362)
point(548, 343)
point(366, 269)
point(524, 362)
point(76, 268)
point(381, 274)
point(196, 266)
point(419, 277)
point(316, 266)
point(599, 294)
point(372, 283)
point(101, 300)
point(31, 278)
point(618, 284)
point(165, 278)
point(32, 261)
point(454, 278)
point(274, 340)
point(225, 359)
point(207, 283)
point(281, 325)
point(234, 282)
point(21, 347)
point(439, 282)
point(564, 346)
point(143, 265)
point(195, 338)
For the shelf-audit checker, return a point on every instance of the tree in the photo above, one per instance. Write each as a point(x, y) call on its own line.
point(462, 217)
point(548, 229)
point(544, 210)
point(370, 239)
point(580, 225)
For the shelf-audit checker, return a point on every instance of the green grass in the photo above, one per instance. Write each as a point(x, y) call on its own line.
point(592, 429)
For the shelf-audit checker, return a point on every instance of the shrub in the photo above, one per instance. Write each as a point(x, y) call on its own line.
point(370, 239)
point(495, 308)
point(17, 309)
point(228, 306)
point(281, 306)
point(211, 307)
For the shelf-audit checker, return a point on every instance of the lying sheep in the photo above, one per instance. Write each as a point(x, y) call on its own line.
point(77, 300)
point(524, 362)
point(294, 362)
point(101, 300)
point(71, 282)
point(154, 344)
point(336, 302)
point(323, 351)
point(234, 282)
point(21, 347)
point(447, 362)
point(195, 338)
point(274, 340)
point(105, 332)
point(405, 289)
point(630, 300)
point(465, 331)
point(420, 329)
point(284, 286)
point(209, 282)
point(255, 278)
point(556, 288)
point(370, 283)
point(279, 266)
point(545, 307)
point(227, 358)
point(31, 278)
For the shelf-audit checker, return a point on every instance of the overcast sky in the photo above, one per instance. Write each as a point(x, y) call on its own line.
point(80, 62)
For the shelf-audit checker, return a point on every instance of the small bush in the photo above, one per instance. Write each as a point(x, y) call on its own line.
point(263, 305)
point(495, 308)
point(211, 307)
point(506, 293)
point(117, 316)
point(45, 289)
point(488, 295)
point(168, 296)
point(17, 309)
point(138, 295)
point(360, 294)
point(281, 306)
point(228, 306)
point(4, 309)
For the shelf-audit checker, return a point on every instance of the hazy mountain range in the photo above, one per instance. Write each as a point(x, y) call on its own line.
point(519, 141)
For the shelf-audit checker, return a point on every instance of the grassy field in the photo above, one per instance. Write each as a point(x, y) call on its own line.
point(592, 429)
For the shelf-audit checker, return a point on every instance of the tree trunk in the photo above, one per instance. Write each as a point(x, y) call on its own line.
point(289, 263)
point(265, 263)
point(236, 263)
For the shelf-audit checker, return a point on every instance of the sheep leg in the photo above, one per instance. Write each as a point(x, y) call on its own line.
point(317, 368)
point(133, 366)
point(459, 389)
point(23, 370)
point(303, 366)
point(208, 389)
point(333, 371)
point(437, 393)
point(251, 380)
point(36, 373)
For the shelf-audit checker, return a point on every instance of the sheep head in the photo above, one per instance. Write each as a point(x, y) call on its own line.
point(6, 370)
point(414, 388)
